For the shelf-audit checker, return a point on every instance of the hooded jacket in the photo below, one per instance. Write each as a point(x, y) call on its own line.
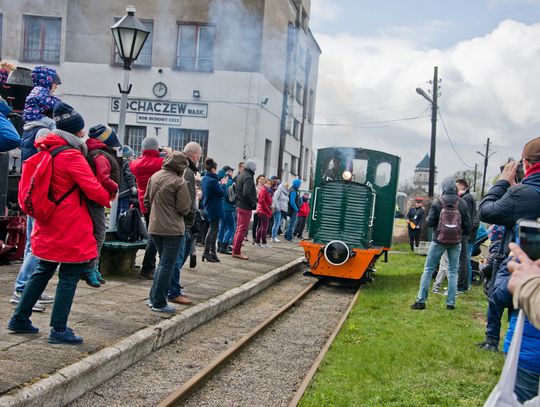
point(143, 168)
point(294, 197)
point(246, 194)
point(450, 196)
point(32, 131)
point(264, 203)
point(9, 138)
point(213, 194)
point(280, 200)
point(189, 177)
point(40, 99)
point(102, 165)
point(473, 213)
point(167, 197)
point(67, 236)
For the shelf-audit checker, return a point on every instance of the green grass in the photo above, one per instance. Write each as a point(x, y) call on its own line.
point(389, 355)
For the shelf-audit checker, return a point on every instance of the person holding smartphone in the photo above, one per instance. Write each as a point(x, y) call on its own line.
point(504, 204)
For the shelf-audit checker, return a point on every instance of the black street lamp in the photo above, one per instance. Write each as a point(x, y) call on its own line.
point(129, 36)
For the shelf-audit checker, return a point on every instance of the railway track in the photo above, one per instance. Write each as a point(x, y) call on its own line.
point(197, 382)
point(259, 353)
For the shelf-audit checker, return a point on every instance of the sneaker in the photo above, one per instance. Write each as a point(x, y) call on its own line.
point(436, 290)
point(16, 298)
point(490, 347)
point(167, 309)
point(67, 337)
point(450, 307)
point(90, 277)
point(45, 299)
point(276, 240)
point(20, 327)
point(266, 246)
point(149, 303)
point(418, 305)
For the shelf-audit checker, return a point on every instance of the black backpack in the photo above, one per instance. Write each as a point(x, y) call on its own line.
point(130, 226)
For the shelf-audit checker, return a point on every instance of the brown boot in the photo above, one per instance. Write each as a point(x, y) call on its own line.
point(181, 299)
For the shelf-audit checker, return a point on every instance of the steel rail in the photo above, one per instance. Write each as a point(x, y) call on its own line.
point(309, 376)
point(198, 379)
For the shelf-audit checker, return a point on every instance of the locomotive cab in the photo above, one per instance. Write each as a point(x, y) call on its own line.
point(352, 212)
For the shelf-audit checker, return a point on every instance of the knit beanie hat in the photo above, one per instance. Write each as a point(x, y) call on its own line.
point(127, 152)
point(67, 118)
point(150, 143)
point(105, 134)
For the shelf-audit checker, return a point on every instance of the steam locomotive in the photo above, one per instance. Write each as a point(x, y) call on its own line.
point(352, 212)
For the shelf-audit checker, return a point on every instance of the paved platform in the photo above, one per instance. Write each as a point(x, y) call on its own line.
point(116, 311)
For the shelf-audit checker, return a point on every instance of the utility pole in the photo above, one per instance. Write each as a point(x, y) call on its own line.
point(434, 107)
point(486, 156)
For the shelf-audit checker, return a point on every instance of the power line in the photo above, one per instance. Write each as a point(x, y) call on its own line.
point(370, 101)
point(419, 116)
point(456, 152)
point(414, 102)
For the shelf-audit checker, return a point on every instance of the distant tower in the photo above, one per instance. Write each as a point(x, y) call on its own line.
point(421, 174)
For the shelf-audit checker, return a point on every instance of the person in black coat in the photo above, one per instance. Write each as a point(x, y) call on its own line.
point(505, 203)
point(246, 202)
point(415, 217)
point(465, 269)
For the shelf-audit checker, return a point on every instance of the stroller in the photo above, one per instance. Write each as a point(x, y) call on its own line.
point(477, 276)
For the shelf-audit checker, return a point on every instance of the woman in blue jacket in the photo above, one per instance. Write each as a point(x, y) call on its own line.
point(213, 191)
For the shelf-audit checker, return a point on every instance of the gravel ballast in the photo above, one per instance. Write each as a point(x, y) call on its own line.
point(266, 373)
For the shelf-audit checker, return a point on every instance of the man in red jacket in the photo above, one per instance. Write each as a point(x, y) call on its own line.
point(143, 168)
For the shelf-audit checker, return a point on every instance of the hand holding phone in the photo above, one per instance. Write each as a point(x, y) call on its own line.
point(528, 238)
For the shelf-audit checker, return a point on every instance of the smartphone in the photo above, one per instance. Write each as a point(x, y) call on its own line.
point(528, 238)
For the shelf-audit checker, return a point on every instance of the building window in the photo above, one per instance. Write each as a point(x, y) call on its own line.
point(294, 165)
point(144, 60)
point(136, 135)
point(195, 50)
point(299, 93)
point(178, 138)
point(296, 129)
point(41, 41)
point(302, 57)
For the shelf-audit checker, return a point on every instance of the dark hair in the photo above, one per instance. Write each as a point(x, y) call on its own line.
point(259, 177)
point(463, 182)
point(210, 164)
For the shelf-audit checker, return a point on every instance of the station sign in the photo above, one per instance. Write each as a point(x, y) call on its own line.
point(162, 107)
point(159, 119)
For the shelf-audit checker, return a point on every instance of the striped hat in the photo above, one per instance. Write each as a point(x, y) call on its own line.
point(105, 134)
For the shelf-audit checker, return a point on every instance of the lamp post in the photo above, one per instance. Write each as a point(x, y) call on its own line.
point(129, 36)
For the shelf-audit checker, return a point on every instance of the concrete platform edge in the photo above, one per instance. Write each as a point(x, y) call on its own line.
point(72, 381)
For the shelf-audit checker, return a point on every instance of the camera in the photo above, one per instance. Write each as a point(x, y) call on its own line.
point(528, 237)
point(520, 172)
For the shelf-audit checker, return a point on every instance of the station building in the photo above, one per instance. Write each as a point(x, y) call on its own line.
point(237, 76)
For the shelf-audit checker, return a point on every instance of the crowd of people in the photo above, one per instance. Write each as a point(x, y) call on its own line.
point(512, 278)
point(179, 203)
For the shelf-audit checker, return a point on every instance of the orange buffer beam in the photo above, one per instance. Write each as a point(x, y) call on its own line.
point(353, 269)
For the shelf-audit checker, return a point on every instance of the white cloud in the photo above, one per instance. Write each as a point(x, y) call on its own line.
point(489, 88)
point(325, 10)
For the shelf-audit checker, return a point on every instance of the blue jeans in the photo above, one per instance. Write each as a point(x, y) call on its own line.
point(168, 248)
point(69, 275)
point(30, 262)
point(277, 222)
point(226, 228)
point(436, 250)
point(175, 290)
point(526, 386)
point(292, 225)
point(123, 205)
point(470, 247)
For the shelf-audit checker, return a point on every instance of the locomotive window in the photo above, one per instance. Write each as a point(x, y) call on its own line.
point(382, 175)
point(359, 170)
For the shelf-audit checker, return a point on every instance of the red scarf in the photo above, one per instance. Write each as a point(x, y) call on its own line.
point(533, 170)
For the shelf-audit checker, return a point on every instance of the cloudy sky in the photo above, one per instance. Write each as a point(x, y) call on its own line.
point(375, 53)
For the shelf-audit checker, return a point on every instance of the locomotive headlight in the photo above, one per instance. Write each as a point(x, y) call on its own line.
point(347, 175)
point(336, 252)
